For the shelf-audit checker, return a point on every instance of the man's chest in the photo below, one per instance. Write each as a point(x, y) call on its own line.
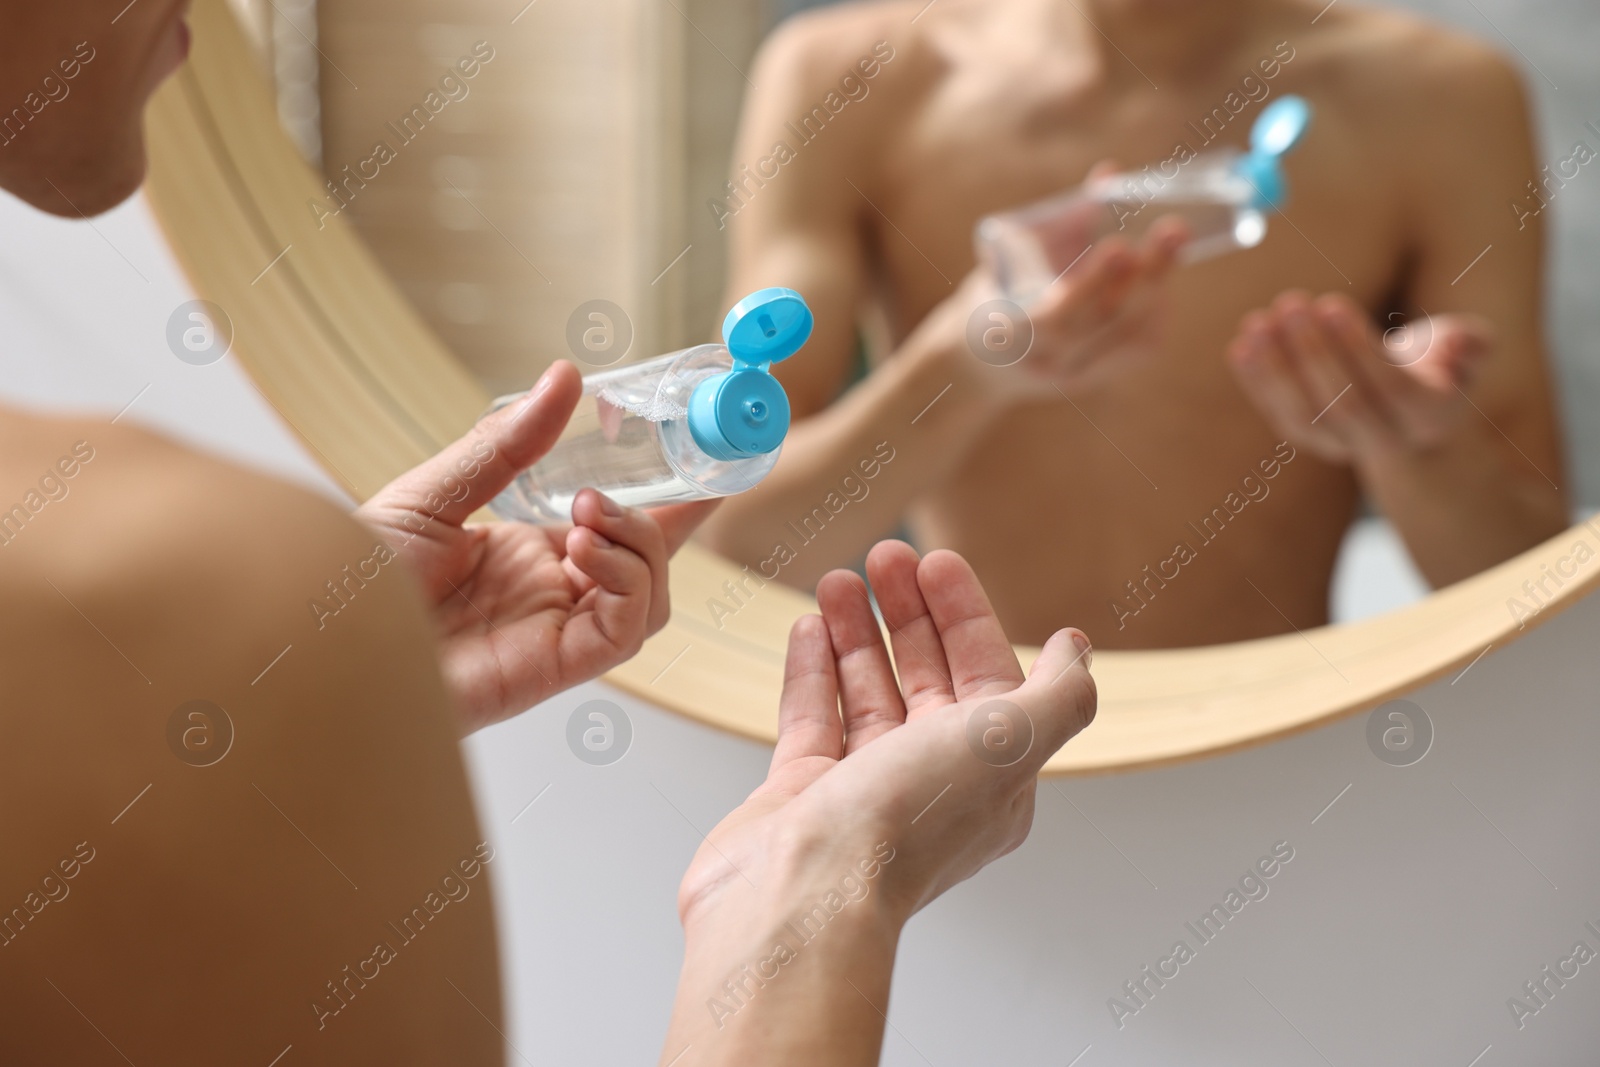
point(965, 156)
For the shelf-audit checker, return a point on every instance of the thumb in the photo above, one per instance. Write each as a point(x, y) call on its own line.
point(1470, 338)
point(1059, 695)
point(472, 471)
point(1458, 347)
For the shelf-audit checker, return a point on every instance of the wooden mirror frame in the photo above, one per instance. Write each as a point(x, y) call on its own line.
point(352, 368)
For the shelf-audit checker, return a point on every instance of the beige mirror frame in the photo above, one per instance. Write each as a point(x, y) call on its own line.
point(349, 364)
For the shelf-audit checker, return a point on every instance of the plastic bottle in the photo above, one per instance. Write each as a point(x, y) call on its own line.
point(1223, 196)
point(702, 422)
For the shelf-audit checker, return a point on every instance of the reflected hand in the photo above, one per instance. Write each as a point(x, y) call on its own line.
point(897, 766)
point(1102, 315)
point(526, 611)
point(1329, 382)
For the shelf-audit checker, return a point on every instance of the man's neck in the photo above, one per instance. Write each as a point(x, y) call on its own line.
point(1172, 39)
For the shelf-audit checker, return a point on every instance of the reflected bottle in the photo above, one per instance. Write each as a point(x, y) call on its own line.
point(1223, 198)
point(703, 422)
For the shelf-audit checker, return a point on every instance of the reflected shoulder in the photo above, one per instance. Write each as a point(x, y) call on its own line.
point(1390, 51)
point(812, 51)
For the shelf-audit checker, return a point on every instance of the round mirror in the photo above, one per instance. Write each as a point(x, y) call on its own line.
point(1266, 511)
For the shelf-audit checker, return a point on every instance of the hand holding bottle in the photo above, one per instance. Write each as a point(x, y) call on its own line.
point(527, 611)
point(1100, 317)
point(1087, 267)
point(1223, 196)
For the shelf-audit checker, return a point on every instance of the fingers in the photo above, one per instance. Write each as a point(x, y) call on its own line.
point(979, 656)
point(636, 575)
point(1324, 376)
point(868, 692)
point(616, 625)
point(1112, 282)
point(1088, 288)
point(1461, 345)
point(1067, 243)
point(469, 473)
point(1436, 352)
point(621, 554)
point(808, 711)
point(1263, 370)
point(1167, 237)
point(1327, 378)
point(1113, 270)
point(1059, 697)
point(918, 651)
point(1414, 370)
point(1307, 379)
point(1380, 372)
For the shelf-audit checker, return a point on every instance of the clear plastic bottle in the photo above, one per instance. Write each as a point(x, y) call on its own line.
point(702, 422)
point(1223, 197)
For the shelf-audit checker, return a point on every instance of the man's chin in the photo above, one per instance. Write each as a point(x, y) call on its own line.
point(84, 187)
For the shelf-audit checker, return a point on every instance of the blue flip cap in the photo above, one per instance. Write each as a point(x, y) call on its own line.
point(1277, 129)
point(744, 412)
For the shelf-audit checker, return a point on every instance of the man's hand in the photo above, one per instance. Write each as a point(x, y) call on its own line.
point(852, 779)
point(1329, 382)
point(527, 611)
point(882, 794)
point(1102, 314)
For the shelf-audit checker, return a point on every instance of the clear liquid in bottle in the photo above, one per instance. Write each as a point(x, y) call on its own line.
point(703, 422)
point(1222, 197)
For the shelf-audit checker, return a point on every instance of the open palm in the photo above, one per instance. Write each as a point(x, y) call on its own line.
point(865, 757)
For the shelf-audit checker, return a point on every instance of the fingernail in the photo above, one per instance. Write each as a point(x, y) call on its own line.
point(600, 539)
point(540, 387)
point(1085, 650)
point(608, 507)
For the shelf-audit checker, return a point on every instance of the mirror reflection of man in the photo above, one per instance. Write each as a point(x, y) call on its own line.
point(1181, 451)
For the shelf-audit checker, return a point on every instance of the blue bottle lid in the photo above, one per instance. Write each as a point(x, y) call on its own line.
point(1277, 129)
point(744, 412)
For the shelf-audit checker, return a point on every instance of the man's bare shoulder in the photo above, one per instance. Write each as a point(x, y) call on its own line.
point(820, 44)
point(1396, 62)
point(175, 714)
point(100, 501)
point(131, 531)
point(850, 50)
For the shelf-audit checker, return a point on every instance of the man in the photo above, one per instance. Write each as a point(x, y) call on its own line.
point(1180, 451)
point(240, 831)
